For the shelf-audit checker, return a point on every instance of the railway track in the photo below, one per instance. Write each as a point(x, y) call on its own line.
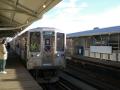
point(97, 68)
point(77, 83)
point(79, 77)
point(68, 82)
point(60, 85)
point(93, 78)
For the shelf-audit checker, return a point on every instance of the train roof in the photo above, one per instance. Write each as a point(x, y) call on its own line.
point(96, 31)
point(45, 29)
point(42, 28)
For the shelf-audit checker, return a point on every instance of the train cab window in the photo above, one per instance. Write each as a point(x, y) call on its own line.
point(60, 41)
point(35, 41)
point(48, 39)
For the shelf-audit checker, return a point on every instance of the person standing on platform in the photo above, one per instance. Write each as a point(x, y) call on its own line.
point(3, 56)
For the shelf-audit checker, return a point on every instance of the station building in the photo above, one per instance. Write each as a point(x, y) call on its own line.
point(102, 43)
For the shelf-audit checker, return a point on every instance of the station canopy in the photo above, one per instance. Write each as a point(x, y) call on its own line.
point(16, 15)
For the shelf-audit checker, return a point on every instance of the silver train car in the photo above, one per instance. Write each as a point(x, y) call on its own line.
point(42, 50)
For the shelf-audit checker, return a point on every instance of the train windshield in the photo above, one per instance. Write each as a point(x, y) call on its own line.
point(48, 33)
point(48, 40)
point(60, 41)
point(35, 41)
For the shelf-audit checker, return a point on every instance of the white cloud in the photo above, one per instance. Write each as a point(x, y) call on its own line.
point(84, 5)
point(70, 19)
point(70, 10)
point(105, 19)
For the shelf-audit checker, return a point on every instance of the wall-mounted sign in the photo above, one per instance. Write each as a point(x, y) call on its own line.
point(101, 49)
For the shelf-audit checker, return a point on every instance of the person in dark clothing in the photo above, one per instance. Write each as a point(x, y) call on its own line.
point(8, 46)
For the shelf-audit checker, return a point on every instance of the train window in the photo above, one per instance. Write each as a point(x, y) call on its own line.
point(48, 39)
point(47, 45)
point(60, 41)
point(48, 33)
point(35, 41)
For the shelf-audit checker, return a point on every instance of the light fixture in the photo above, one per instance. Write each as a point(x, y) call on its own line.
point(44, 6)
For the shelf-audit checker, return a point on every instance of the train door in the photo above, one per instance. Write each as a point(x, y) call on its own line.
point(60, 48)
point(48, 48)
point(34, 49)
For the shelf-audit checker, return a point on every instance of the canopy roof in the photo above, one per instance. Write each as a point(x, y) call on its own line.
point(95, 31)
point(15, 15)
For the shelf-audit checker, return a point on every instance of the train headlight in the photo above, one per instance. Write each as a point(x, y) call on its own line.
point(38, 55)
point(35, 55)
point(58, 54)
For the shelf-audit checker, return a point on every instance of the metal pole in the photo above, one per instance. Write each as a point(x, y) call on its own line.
point(118, 48)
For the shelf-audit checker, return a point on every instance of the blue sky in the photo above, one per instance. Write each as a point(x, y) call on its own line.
point(80, 15)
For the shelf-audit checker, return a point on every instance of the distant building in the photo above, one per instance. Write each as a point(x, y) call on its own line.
point(103, 43)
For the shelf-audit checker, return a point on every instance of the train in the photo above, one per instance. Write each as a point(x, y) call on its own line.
point(42, 50)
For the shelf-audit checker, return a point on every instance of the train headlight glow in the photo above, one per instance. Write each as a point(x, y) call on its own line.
point(38, 55)
point(58, 55)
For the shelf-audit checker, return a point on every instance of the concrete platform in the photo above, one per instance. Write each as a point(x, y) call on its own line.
point(17, 77)
point(109, 63)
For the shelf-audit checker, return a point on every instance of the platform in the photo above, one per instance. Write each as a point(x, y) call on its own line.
point(17, 77)
point(114, 64)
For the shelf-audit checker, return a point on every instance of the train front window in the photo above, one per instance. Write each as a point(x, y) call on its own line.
point(35, 41)
point(48, 40)
point(48, 33)
point(60, 41)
